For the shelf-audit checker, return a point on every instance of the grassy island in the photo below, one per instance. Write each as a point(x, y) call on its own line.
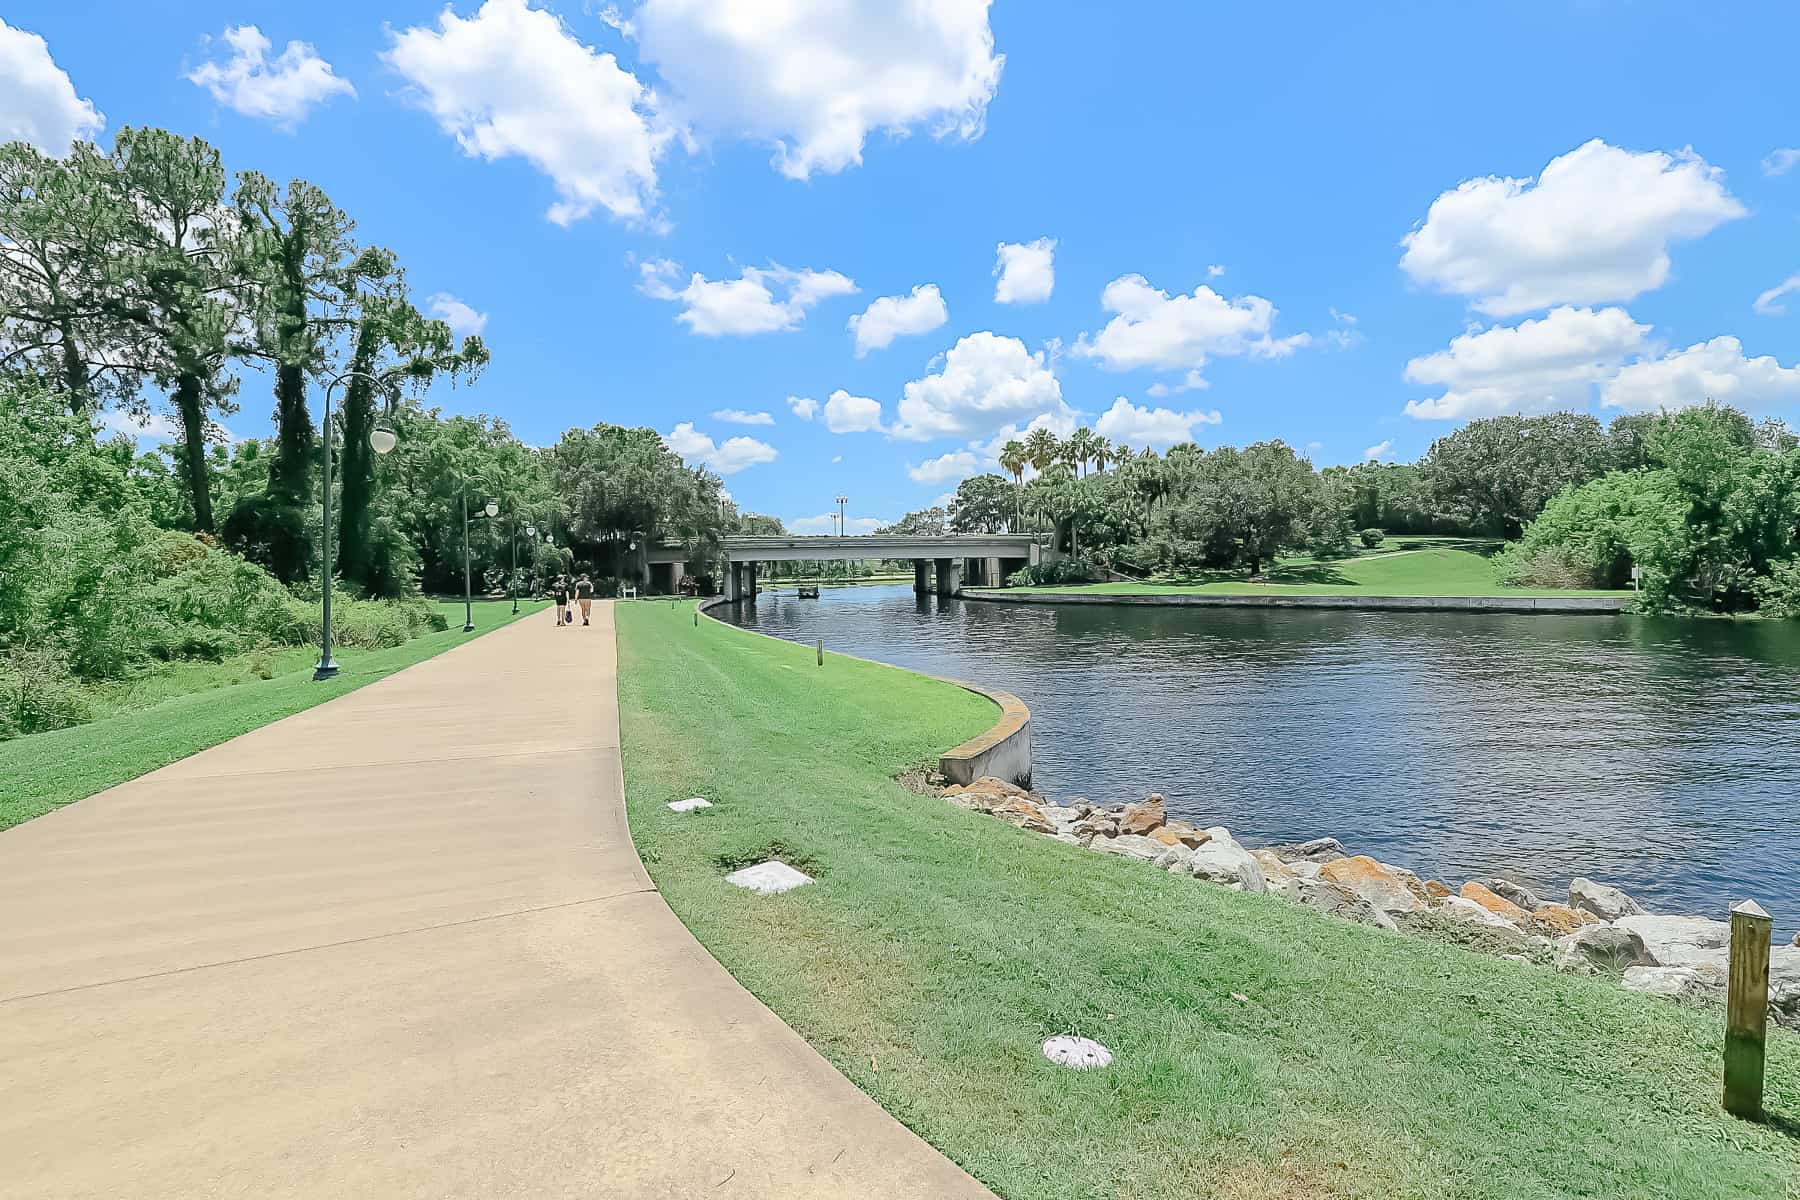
point(1263, 1051)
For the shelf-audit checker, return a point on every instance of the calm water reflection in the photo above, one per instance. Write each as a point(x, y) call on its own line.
point(1657, 755)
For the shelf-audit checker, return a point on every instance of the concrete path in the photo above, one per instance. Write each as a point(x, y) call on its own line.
point(400, 946)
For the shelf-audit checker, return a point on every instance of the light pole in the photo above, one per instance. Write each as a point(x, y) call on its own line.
point(490, 510)
point(841, 500)
point(512, 583)
point(381, 440)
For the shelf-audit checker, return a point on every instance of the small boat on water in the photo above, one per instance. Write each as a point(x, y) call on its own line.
point(808, 591)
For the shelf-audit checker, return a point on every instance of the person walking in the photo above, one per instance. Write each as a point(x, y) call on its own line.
point(584, 595)
point(559, 592)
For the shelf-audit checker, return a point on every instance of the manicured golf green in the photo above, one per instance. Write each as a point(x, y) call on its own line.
point(169, 715)
point(1439, 567)
point(1263, 1051)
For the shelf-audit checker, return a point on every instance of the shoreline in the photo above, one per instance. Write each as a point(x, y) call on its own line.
point(1557, 605)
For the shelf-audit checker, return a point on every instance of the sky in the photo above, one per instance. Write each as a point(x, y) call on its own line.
point(835, 246)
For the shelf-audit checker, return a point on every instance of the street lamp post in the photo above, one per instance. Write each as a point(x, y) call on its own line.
point(490, 510)
point(512, 583)
point(381, 440)
point(841, 501)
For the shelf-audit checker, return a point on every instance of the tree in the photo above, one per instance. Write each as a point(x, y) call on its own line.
point(927, 522)
point(1042, 448)
point(1013, 460)
point(625, 483)
point(982, 505)
point(1499, 472)
point(1078, 451)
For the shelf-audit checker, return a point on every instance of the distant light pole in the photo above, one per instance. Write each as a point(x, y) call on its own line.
point(512, 583)
point(381, 440)
point(841, 501)
point(490, 510)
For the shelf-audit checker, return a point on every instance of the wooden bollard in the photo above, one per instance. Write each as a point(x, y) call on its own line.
point(821, 652)
point(1747, 1010)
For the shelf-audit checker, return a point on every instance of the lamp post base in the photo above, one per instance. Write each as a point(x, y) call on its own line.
point(468, 629)
point(325, 670)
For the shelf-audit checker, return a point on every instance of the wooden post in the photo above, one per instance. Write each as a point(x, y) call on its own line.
point(1747, 1010)
point(822, 663)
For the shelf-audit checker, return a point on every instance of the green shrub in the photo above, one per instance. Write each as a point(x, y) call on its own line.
point(1372, 537)
point(1073, 569)
point(1547, 566)
point(1778, 595)
point(38, 692)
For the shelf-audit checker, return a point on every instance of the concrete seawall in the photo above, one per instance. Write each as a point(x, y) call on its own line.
point(1586, 605)
point(1003, 750)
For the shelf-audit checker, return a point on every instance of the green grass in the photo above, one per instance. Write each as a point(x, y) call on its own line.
point(186, 707)
point(939, 947)
point(1437, 567)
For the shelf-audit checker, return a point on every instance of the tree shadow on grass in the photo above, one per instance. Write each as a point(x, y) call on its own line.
point(1317, 572)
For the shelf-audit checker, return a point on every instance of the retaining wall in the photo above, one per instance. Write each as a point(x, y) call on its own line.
point(1589, 605)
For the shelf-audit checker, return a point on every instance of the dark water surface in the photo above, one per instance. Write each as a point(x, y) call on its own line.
point(1659, 756)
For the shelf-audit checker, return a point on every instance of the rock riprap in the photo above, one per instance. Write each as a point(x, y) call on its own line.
point(1600, 931)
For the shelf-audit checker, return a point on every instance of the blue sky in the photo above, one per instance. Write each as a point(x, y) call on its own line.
point(1351, 227)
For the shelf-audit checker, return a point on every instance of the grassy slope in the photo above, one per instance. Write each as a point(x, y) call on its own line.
point(1437, 569)
point(939, 947)
point(171, 714)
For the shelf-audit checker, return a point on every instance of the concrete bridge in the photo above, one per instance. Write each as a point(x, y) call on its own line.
point(983, 558)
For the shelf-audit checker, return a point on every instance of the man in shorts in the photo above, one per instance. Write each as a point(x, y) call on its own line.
point(584, 595)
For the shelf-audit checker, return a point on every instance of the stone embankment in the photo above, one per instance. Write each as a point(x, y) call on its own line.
point(1599, 931)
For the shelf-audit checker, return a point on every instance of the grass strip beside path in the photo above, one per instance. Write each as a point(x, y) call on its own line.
point(939, 947)
point(48, 770)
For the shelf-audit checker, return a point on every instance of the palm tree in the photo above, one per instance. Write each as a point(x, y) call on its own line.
point(1042, 447)
point(1012, 460)
point(1103, 452)
point(1079, 449)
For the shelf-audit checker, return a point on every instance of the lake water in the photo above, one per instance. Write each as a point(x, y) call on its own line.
point(1660, 756)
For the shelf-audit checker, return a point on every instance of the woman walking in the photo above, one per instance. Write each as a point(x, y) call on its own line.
point(584, 594)
point(559, 592)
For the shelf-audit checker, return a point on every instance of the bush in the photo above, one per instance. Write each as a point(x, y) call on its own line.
point(1372, 537)
point(38, 693)
point(1778, 595)
point(1547, 567)
point(1073, 569)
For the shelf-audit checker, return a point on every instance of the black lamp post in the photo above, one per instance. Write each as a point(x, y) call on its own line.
point(381, 440)
point(490, 510)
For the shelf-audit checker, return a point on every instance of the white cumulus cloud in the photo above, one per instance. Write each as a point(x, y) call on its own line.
point(283, 89)
point(814, 78)
point(1769, 303)
point(889, 317)
point(1129, 424)
point(511, 81)
point(986, 381)
point(1712, 370)
point(38, 103)
point(463, 320)
point(1381, 449)
point(1780, 162)
point(727, 457)
point(759, 300)
point(845, 413)
point(1593, 228)
point(1026, 271)
point(803, 407)
point(1552, 362)
point(827, 523)
point(957, 465)
point(738, 416)
point(1153, 329)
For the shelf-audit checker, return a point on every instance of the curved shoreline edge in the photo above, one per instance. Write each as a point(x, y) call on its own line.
point(1562, 605)
point(1003, 750)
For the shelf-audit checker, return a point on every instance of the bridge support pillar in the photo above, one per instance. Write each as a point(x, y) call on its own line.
point(949, 576)
point(920, 584)
point(990, 573)
point(740, 581)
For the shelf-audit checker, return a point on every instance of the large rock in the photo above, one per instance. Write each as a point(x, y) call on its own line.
point(1025, 815)
point(1784, 984)
point(1336, 900)
point(990, 784)
point(1222, 860)
point(1681, 941)
point(1064, 816)
point(1601, 947)
point(1280, 876)
point(1381, 885)
point(1147, 814)
point(1130, 845)
point(1468, 912)
point(1320, 850)
point(1179, 833)
point(1677, 983)
point(1175, 859)
point(1518, 893)
point(1607, 903)
point(1495, 903)
point(1561, 919)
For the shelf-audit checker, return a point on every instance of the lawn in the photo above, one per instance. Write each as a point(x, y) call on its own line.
point(1403, 566)
point(1263, 1051)
point(186, 707)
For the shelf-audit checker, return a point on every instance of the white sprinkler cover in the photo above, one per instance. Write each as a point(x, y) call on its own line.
point(770, 878)
point(690, 804)
point(1078, 1052)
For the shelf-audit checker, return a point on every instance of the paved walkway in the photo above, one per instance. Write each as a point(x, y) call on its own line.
point(400, 946)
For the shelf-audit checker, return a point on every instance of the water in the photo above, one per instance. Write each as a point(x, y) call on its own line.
point(1660, 756)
